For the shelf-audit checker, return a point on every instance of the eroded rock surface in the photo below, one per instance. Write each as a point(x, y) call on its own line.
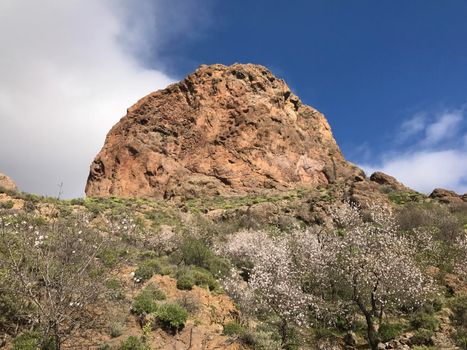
point(224, 130)
point(7, 183)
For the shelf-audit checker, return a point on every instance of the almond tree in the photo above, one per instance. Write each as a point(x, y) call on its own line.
point(360, 265)
point(53, 267)
point(273, 280)
point(368, 264)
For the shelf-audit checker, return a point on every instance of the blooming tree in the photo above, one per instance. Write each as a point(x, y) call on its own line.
point(273, 281)
point(369, 265)
point(360, 265)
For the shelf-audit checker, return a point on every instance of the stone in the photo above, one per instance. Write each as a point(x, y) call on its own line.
point(446, 196)
point(7, 183)
point(223, 130)
point(387, 180)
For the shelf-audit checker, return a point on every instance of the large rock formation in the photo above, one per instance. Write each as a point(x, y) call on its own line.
point(7, 183)
point(224, 130)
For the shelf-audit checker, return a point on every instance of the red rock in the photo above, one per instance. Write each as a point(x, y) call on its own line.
point(224, 130)
point(7, 183)
point(387, 180)
point(446, 196)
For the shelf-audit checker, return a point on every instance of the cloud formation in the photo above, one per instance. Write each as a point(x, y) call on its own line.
point(69, 69)
point(433, 152)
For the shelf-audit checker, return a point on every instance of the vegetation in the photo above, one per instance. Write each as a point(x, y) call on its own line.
point(371, 272)
point(172, 316)
point(146, 301)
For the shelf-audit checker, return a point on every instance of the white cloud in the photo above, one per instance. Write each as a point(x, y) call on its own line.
point(68, 72)
point(443, 128)
point(437, 159)
point(412, 126)
point(426, 170)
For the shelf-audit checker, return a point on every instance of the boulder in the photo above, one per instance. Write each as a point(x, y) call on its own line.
point(7, 183)
point(446, 196)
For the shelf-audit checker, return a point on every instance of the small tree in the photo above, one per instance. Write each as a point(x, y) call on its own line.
point(273, 281)
point(54, 268)
point(367, 263)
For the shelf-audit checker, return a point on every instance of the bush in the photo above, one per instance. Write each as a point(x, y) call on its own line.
point(7, 205)
point(116, 330)
point(260, 340)
point(461, 338)
point(133, 343)
point(193, 275)
point(32, 341)
point(422, 337)
point(27, 341)
point(190, 303)
point(172, 316)
point(185, 282)
point(146, 270)
point(204, 278)
point(233, 328)
point(458, 306)
point(388, 332)
point(114, 287)
point(425, 321)
point(195, 252)
point(145, 301)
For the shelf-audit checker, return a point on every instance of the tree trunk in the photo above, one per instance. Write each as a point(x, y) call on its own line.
point(57, 340)
point(283, 331)
point(371, 332)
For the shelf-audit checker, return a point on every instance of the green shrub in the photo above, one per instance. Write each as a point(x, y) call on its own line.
point(260, 340)
point(105, 347)
point(110, 256)
point(145, 301)
point(195, 252)
point(147, 269)
point(193, 275)
point(133, 343)
point(7, 205)
point(218, 266)
point(204, 278)
point(389, 331)
point(185, 282)
point(27, 341)
point(116, 330)
point(425, 321)
point(458, 305)
point(172, 316)
point(422, 337)
point(233, 328)
point(114, 287)
point(32, 341)
point(461, 338)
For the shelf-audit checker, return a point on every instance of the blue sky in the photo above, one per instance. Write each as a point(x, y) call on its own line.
point(369, 66)
point(390, 76)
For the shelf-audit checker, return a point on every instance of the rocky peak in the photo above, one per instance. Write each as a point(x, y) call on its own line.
point(7, 183)
point(223, 130)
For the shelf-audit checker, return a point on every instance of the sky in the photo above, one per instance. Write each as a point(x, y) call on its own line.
point(389, 75)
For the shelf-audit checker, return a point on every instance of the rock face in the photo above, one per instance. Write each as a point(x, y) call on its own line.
point(224, 130)
point(7, 183)
point(448, 197)
point(387, 180)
